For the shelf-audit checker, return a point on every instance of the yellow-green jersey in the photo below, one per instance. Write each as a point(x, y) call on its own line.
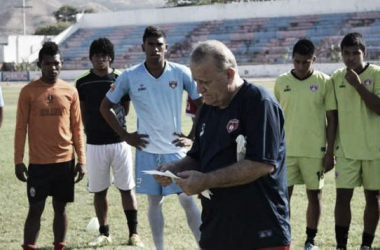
point(305, 103)
point(358, 135)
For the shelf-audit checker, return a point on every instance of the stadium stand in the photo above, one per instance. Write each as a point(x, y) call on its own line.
point(253, 41)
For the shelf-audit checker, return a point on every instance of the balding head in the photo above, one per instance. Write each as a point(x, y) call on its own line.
point(222, 56)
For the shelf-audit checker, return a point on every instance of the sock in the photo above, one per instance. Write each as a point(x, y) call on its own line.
point(310, 233)
point(105, 230)
point(131, 221)
point(59, 245)
point(156, 220)
point(341, 236)
point(29, 247)
point(193, 214)
point(367, 239)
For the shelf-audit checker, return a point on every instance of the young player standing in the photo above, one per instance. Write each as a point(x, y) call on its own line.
point(156, 87)
point(357, 88)
point(105, 148)
point(307, 98)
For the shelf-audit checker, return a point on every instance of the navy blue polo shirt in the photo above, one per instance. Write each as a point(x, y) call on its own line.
point(254, 215)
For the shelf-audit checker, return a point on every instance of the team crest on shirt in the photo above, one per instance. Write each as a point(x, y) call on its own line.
point(232, 125)
point(112, 87)
point(32, 192)
point(287, 88)
point(313, 87)
point(141, 87)
point(50, 98)
point(368, 82)
point(173, 84)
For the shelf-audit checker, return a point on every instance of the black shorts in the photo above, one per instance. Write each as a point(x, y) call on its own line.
point(55, 179)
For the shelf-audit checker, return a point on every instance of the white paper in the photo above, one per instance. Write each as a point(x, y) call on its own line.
point(206, 193)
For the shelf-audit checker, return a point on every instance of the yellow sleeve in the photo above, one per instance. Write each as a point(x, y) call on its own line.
point(330, 100)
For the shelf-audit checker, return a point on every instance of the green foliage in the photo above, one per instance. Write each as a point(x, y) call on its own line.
point(179, 3)
point(66, 13)
point(52, 29)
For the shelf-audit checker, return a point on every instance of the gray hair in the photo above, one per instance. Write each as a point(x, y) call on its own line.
point(223, 57)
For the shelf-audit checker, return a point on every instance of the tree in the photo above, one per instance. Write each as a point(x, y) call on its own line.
point(52, 29)
point(66, 13)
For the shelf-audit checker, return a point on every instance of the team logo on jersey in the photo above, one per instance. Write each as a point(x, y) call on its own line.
point(367, 82)
point(202, 129)
point(287, 88)
point(32, 192)
point(342, 85)
point(112, 87)
point(313, 87)
point(232, 125)
point(50, 98)
point(173, 84)
point(141, 87)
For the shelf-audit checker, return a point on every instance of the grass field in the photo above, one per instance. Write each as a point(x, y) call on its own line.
point(177, 235)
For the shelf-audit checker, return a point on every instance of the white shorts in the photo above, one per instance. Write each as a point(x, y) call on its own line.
point(100, 158)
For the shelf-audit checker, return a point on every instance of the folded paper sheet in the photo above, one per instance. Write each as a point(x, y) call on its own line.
point(169, 174)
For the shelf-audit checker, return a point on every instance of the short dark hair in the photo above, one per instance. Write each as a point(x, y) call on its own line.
point(153, 31)
point(353, 39)
point(48, 48)
point(304, 47)
point(102, 46)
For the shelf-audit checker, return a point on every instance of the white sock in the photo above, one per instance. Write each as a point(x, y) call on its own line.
point(156, 220)
point(193, 214)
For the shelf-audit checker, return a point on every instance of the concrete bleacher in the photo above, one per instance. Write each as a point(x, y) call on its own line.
point(252, 40)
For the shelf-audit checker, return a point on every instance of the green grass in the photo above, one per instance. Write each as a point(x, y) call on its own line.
point(177, 235)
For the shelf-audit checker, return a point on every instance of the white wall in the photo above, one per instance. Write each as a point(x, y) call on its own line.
point(19, 48)
point(227, 11)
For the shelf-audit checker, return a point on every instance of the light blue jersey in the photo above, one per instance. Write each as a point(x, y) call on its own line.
point(158, 102)
point(1, 99)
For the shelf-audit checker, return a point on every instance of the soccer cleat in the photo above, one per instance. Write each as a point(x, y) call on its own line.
point(309, 246)
point(100, 240)
point(135, 240)
point(365, 248)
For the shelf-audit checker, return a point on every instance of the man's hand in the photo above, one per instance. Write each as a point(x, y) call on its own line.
point(79, 172)
point(136, 140)
point(352, 78)
point(328, 162)
point(21, 172)
point(163, 180)
point(193, 182)
point(182, 140)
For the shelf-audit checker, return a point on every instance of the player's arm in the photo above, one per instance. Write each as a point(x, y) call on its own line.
point(187, 141)
point(83, 112)
point(332, 124)
point(371, 100)
point(22, 118)
point(78, 137)
point(199, 103)
point(137, 140)
point(240, 173)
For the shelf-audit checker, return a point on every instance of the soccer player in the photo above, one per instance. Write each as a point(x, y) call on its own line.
point(1, 108)
point(248, 207)
point(48, 112)
point(104, 147)
point(357, 88)
point(156, 87)
point(307, 98)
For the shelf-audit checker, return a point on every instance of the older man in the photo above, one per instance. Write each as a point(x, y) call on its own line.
point(248, 207)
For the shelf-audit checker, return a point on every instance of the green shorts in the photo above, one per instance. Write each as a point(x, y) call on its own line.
point(305, 170)
point(354, 173)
